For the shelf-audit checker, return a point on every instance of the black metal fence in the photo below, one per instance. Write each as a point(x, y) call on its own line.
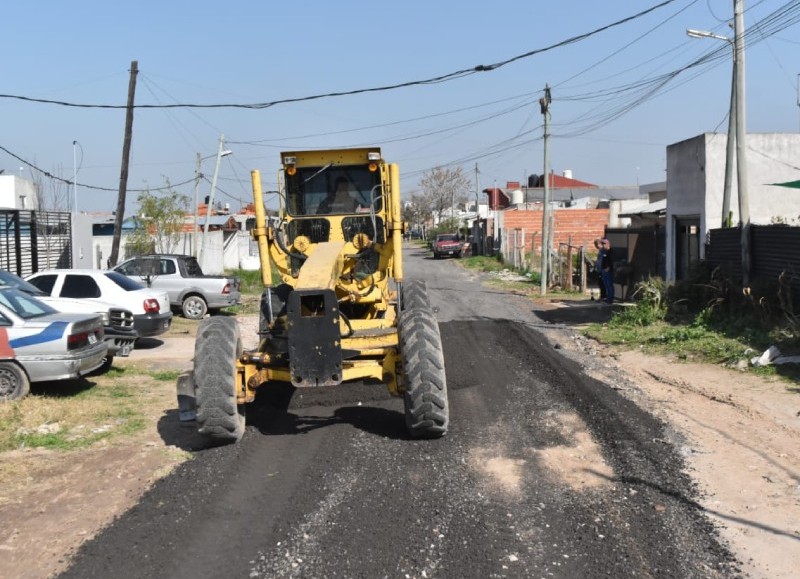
point(774, 250)
point(34, 240)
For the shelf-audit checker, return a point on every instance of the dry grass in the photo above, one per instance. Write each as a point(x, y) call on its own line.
point(76, 414)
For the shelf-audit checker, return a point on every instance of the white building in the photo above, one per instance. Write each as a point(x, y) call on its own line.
point(695, 180)
point(17, 193)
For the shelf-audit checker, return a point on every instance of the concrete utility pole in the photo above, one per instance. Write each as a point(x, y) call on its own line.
point(197, 176)
point(476, 227)
point(741, 140)
point(544, 103)
point(123, 176)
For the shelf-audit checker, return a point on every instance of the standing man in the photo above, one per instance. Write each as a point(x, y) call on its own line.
point(607, 271)
point(598, 268)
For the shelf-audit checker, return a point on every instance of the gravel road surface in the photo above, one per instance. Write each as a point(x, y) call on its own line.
point(545, 472)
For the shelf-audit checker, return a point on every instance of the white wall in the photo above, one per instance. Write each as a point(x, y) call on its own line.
point(82, 242)
point(17, 193)
point(696, 176)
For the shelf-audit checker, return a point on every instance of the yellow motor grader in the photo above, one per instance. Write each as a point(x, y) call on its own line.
point(341, 311)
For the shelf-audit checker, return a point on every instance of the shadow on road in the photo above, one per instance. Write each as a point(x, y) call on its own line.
point(148, 343)
point(278, 410)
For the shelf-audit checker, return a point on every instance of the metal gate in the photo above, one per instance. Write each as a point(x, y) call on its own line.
point(34, 240)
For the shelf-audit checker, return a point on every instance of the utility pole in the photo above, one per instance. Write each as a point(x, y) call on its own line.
point(729, 149)
point(741, 140)
point(123, 176)
point(197, 176)
point(544, 103)
point(476, 229)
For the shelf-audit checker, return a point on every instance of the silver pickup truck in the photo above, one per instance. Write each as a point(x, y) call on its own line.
point(190, 291)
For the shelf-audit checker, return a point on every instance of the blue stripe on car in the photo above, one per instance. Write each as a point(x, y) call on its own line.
point(51, 333)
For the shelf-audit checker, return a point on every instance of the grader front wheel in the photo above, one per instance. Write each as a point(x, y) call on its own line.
point(426, 408)
point(217, 347)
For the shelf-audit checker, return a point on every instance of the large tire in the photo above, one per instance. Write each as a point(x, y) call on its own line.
point(194, 307)
point(14, 383)
point(415, 295)
point(426, 409)
point(216, 349)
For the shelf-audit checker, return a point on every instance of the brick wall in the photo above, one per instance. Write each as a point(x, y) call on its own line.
point(583, 225)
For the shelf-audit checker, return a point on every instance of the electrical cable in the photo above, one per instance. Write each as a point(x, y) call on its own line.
point(432, 80)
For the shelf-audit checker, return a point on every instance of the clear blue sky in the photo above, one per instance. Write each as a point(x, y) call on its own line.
point(252, 52)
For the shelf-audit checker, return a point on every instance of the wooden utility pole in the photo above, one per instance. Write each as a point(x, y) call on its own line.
point(544, 103)
point(123, 175)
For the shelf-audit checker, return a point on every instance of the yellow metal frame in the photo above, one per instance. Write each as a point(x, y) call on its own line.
point(327, 266)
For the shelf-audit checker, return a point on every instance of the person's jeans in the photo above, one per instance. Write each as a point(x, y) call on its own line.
point(608, 282)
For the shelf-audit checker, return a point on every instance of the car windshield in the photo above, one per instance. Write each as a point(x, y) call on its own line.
point(448, 238)
point(9, 279)
point(24, 305)
point(125, 283)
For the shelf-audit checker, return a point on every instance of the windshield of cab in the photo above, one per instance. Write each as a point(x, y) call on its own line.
point(340, 189)
point(447, 238)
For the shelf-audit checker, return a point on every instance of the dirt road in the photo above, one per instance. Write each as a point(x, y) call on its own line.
point(563, 460)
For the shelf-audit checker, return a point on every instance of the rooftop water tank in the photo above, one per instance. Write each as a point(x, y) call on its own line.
point(516, 197)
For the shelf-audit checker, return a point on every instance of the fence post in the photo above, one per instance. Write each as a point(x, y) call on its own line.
point(569, 263)
point(582, 253)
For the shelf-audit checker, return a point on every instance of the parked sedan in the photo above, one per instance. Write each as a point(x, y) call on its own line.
point(117, 322)
point(151, 312)
point(39, 343)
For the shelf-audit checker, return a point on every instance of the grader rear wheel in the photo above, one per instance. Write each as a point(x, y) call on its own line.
point(426, 408)
point(217, 347)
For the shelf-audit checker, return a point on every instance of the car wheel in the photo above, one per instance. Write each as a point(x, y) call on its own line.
point(14, 383)
point(194, 308)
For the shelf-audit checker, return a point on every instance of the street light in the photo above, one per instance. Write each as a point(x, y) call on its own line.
point(220, 153)
point(75, 173)
point(729, 153)
point(741, 137)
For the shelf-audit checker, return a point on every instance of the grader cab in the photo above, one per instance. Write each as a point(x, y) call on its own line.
point(341, 311)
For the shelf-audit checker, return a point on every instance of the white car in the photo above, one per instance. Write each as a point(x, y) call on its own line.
point(151, 312)
point(38, 343)
point(118, 330)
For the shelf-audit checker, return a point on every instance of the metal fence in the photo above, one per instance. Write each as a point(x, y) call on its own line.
point(774, 250)
point(34, 240)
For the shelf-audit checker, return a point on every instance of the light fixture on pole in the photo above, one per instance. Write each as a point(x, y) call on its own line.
point(220, 153)
point(729, 148)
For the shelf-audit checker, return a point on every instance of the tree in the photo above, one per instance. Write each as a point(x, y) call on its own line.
point(417, 211)
point(444, 187)
point(52, 194)
point(161, 219)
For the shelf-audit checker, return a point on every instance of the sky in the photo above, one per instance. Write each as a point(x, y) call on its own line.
point(624, 85)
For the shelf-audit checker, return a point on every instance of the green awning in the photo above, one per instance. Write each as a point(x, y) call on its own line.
point(791, 184)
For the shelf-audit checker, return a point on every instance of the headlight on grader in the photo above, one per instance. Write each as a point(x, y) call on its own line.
point(301, 243)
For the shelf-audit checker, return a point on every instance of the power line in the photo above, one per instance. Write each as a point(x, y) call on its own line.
point(433, 80)
point(84, 185)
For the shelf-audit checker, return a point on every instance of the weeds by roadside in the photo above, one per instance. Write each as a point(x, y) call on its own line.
point(704, 319)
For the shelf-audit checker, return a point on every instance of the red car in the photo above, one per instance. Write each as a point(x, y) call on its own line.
point(447, 244)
